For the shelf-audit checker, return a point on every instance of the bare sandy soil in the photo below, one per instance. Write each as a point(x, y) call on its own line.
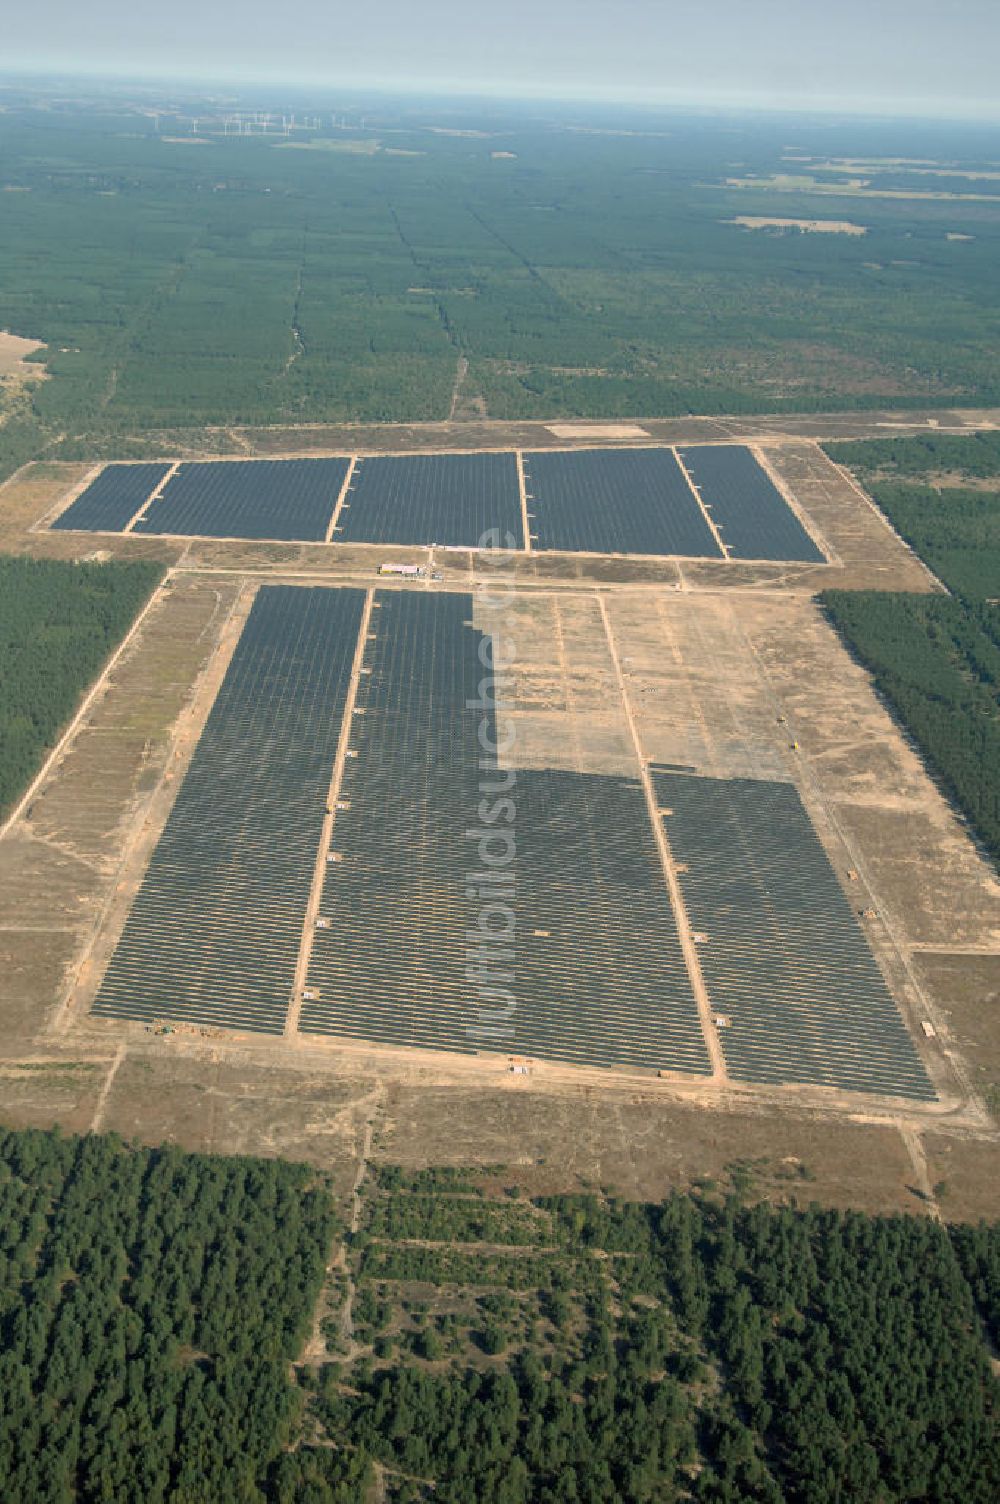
point(813, 226)
point(13, 350)
point(709, 656)
point(597, 431)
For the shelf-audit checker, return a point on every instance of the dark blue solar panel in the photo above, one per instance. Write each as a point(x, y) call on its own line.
point(112, 498)
point(282, 499)
point(783, 956)
point(752, 516)
point(598, 973)
point(214, 934)
point(628, 501)
point(463, 500)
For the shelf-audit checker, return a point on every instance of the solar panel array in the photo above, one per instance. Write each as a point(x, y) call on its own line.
point(588, 968)
point(464, 500)
point(753, 518)
point(629, 501)
point(282, 499)
point(599, 977)
point(784, 958)
point(112, 499)
point(392, 965)
point(214, 934)
point(600, 970)
point(605, 501)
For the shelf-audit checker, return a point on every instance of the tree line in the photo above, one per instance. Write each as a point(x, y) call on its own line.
point(936, 661)
point(58, 624)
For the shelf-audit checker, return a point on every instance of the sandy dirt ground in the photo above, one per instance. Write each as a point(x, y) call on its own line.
point(617, 661)
point(13, 350)
point(812, 226)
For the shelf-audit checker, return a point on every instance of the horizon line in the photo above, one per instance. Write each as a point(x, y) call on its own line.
point(504, 91)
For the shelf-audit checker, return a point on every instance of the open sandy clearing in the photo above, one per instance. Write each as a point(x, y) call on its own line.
point(813, 226)
point(13, 349)
point(597, 431)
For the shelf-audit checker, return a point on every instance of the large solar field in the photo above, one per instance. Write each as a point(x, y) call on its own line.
point(784, 958)
point(112, 499)
point(214, 933)
point(460, 500)
point(283, 499)
point(706, 502)
point(752, 517)
point(591, 964)
point(628, 501)
point(599, 977)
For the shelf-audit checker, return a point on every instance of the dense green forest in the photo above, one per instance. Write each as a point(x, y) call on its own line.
point(149, 1303)
point(974, 456)
point(706, 1348)
point(936, 660)
point(580, 265)
point(954, 528)
point(58, 624)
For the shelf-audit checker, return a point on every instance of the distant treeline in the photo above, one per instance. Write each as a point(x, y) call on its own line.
point(58, 624)
point(584, 274)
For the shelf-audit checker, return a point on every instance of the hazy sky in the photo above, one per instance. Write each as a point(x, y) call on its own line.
point(933, 56)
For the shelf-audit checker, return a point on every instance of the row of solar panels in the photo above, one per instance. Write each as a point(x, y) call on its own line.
point(703, 502)
point(783, 957)
point(214, 934)
point(450, 921)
